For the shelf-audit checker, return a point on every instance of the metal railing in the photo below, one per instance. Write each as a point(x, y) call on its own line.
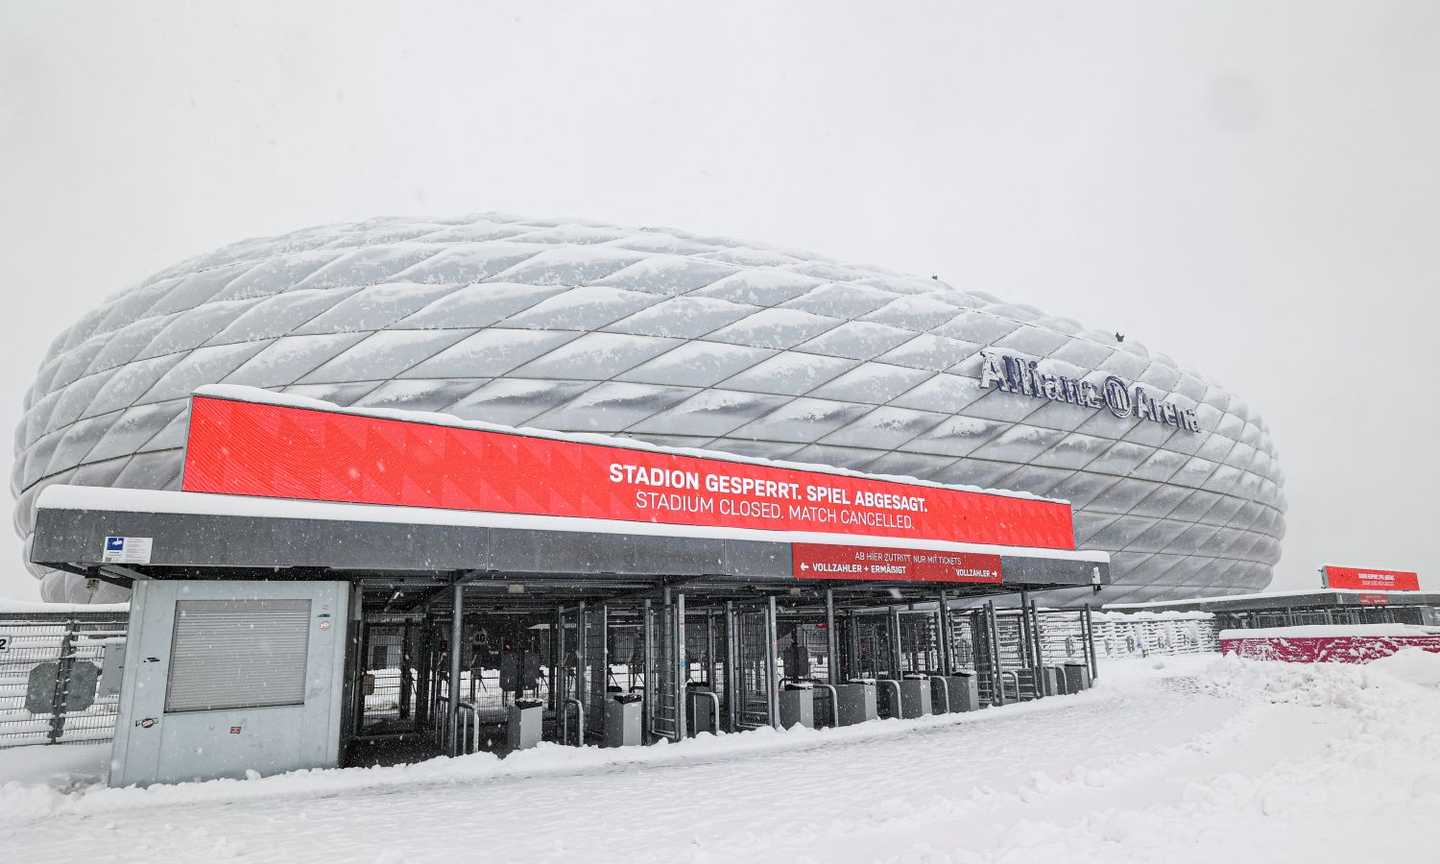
point(834, 702)
point(55, 704)
point(715, 707)
point(579, 722)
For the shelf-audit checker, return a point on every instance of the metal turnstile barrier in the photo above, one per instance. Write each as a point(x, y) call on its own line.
point(597, 659)
point(755, 664)
point(662, 673)
point(388, 679)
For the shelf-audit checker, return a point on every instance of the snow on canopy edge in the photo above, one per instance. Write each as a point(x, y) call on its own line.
point(120, 499)
point(1167, 615)
point(8, 605)
point(258, 395)
point(1260, 595)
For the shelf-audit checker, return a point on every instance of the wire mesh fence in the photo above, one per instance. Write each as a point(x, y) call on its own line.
point(50, 665)
point(1150, 634)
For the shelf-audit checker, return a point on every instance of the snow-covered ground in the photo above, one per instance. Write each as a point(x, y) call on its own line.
point(1185, 759)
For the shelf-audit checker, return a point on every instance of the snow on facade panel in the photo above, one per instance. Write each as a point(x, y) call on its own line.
point(669, 337)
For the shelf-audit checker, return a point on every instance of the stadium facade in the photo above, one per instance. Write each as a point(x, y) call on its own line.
point(680, 340)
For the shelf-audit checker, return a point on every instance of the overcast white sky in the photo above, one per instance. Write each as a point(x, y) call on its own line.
point(1250, 188)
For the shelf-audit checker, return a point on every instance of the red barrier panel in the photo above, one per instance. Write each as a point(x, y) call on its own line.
point(283, 451)
point(1326, 649)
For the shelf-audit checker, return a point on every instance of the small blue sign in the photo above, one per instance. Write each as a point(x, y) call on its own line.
point(114, 544)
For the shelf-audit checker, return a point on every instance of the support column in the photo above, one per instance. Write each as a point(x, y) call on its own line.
point(1042, 684)
point(457, 635)
point(732, 668)
point(682, 667)
point(407, 647)
point(853, 647)
point(422, 674)
point(648, 648)
point(832, 640)
point(557, 668)
point(895, 661)
point(710, 655)
point(598, 727)
point(362, 668)
point(1089, 626)
point(582, 656)
point(946, 665)
point(772, 671)
point(1025, 643)
point(992, 639)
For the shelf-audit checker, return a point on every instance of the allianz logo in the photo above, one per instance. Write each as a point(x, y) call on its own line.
point(1011, 374)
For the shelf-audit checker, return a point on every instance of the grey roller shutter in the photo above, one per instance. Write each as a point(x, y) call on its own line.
point(238, 654)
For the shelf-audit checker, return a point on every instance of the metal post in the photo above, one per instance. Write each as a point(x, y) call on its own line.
point(710, 657)
point(946, 667)
point(732, 668)
point(1090, 642)
point(457, 635)
point(582, 656)
point(896, 664)
point(1039, 646)
point(362, 668)
point(59, 693)
point(992, 636)
point(682, 666)
point(407, 647)
point(1037, 663)
point(557, 666)
point(1027, 648)
point(646, 716)
point(1039, 637)
point(599, 698)
point(422, 675)
point(772, 682)
point(853, 647)
point(1025, 642)
point(832, 641)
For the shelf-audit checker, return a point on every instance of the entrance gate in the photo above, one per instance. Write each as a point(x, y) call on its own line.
point(756, 674)
point(388, 677)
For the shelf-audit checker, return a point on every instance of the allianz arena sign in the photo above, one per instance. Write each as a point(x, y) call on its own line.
point(1011, 374)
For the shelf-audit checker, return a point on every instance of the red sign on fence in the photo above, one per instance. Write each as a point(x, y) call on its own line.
point(880, 564)
point(1371, 580)
point(284, 451)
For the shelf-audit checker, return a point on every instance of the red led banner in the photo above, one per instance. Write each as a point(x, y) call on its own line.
point(879, 564)
point(282, 451)
point(1371, 580)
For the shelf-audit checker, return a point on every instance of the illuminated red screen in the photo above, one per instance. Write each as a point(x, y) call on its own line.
point(246, 448)
point(1367, 579)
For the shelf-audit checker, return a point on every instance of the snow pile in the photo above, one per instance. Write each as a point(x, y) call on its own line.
point(1180, 759)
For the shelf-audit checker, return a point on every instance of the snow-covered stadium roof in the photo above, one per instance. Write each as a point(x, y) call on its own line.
point(665, 336)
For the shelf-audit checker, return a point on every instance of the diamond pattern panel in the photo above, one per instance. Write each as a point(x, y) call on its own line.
point(670, 337)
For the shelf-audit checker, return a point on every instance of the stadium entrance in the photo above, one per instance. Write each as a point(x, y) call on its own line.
point(423, 585)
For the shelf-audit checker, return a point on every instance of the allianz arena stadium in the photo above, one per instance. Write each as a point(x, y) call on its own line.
point(681, 340)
